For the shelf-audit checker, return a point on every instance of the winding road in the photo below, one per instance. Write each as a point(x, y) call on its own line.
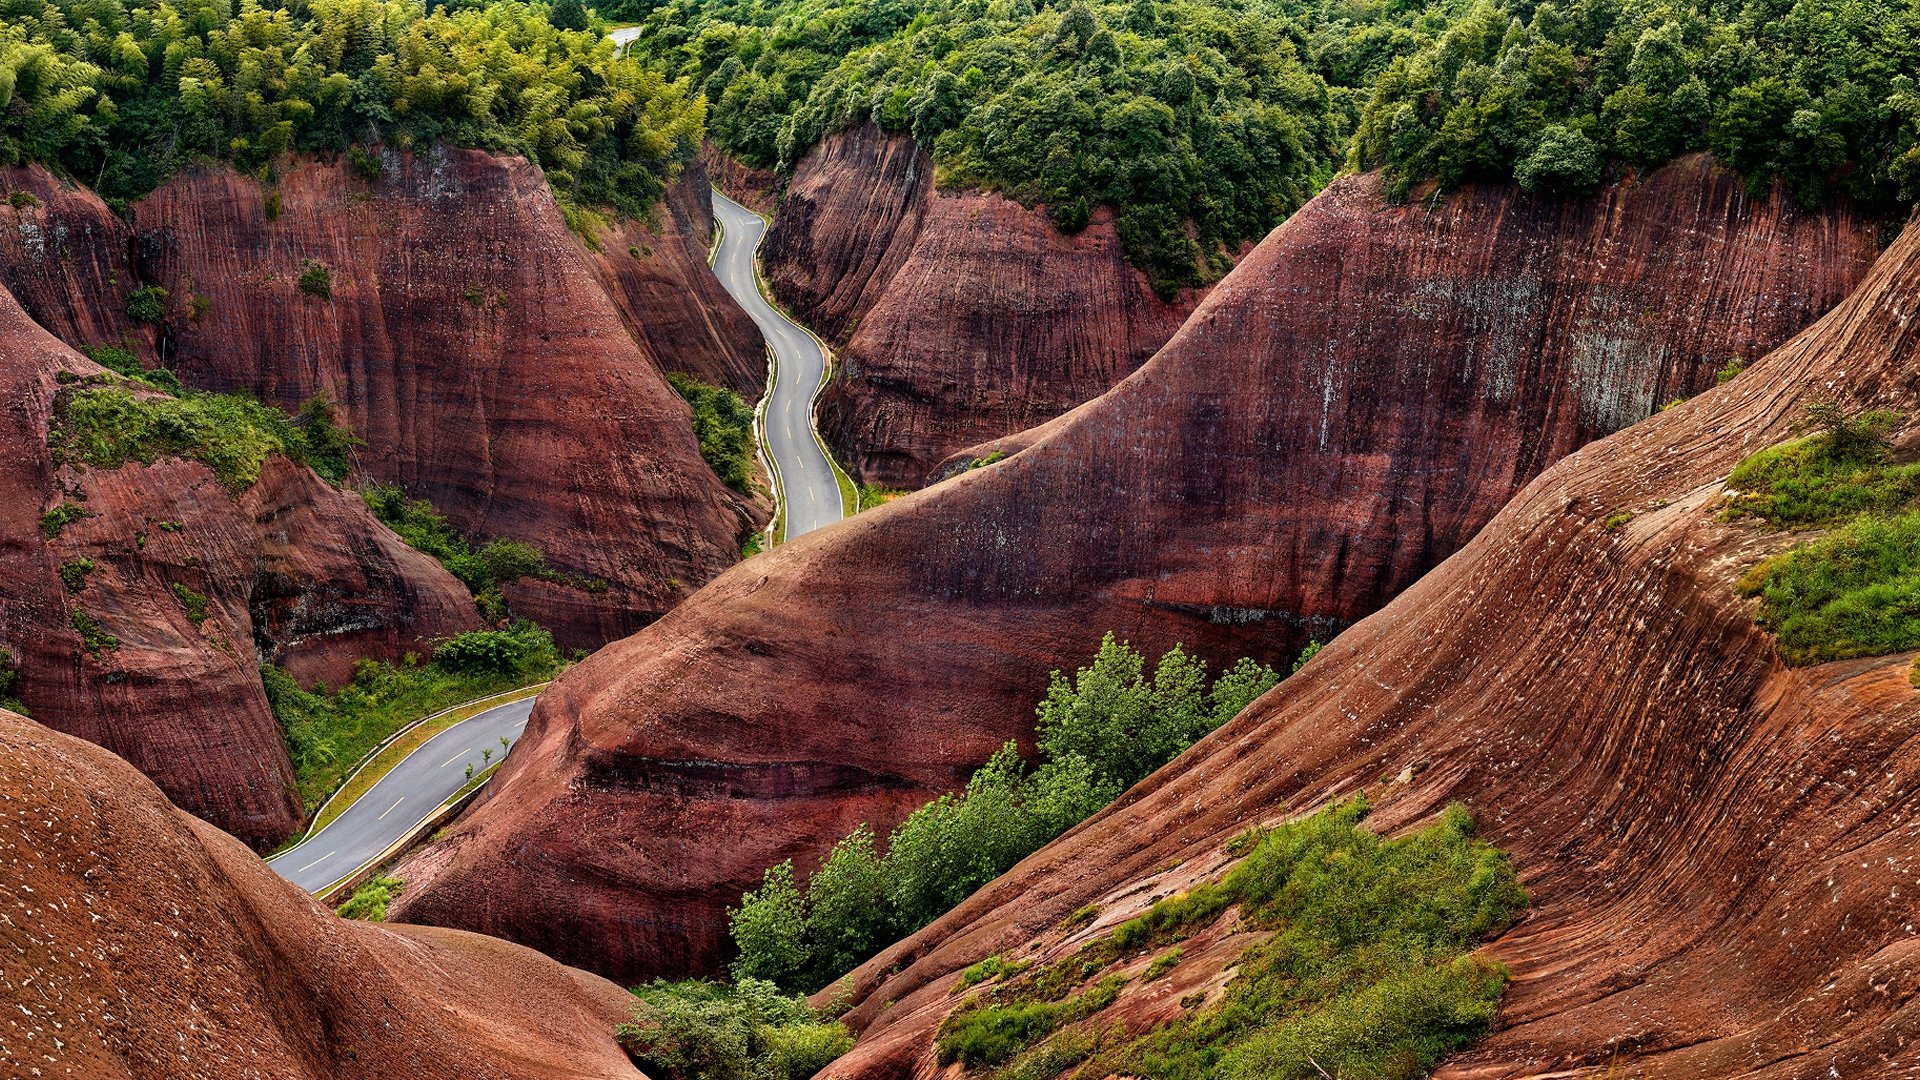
point(402, 799)
point(810, 494)
point(809, 490)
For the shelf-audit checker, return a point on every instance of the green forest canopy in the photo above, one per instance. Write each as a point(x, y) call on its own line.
point(120, 93)
point(1206, 122)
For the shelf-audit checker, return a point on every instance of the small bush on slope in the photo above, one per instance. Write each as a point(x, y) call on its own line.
point(697, 1030)
point(482, 570)
point(369, 902)
point(1365, 973)
point(1098, 733)
point(723, 422)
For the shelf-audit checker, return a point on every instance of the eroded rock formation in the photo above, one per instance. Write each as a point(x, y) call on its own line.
point(1345, 410)
point(958, 317)
point(65, 257)
point(468, 340)
point(1720, 849)
point(143, 943)
point(292, 571)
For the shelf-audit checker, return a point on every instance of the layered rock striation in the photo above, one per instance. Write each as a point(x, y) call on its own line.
point(290, 571)
point(470, 339)
point(142, 942)
point(958, 317)
point(1719, 848)
point(1343, 412)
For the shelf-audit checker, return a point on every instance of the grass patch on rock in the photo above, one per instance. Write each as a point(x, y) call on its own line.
point(700, 1030)
point(1366, 969)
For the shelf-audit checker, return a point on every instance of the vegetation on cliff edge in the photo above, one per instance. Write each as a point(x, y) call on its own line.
point(121, 93)
point(699, 1030)
point(723, 422)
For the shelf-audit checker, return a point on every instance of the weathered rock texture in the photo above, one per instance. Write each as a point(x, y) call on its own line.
point(143, 943)
point(1720, 849)
point(65, 257)
point(958, 317)
point(756, 189)
point(671, 302)
point(295, 572)
point(1345, 410)
point(471, 343)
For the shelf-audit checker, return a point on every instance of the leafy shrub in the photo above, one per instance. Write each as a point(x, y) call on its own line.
point(93, 637)
point(193, 603)
point(369, 902)
point(9, 675)
point(147, 304)
point(1098, 733)
point(22, 200)
point(723, 422)
point(316, 280)
point(497, 652)
point(484, 570)
point(1562, 162)
point(73, 573)
point(697, 1030)
point(247, 84)
point(56, 520)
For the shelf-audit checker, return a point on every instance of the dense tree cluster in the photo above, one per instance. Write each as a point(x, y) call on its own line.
point(119, 93)
point(1818, 94)
point(1099, 733)
point(1204, 122)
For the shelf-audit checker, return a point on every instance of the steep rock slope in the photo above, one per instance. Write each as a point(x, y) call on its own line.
point(64, 257)
point(1346, 409)
point(468, 340)
point(1720, 849)
point(959, 317)
point(294, 572)
point(144, 943)
point(671, 303)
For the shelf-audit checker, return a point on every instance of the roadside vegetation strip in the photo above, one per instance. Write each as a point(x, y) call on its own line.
point(403, 743)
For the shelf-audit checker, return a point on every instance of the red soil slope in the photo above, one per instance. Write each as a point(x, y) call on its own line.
point(959, 317)
point(1720, 849)
point(471, 342)
point(143, 943)
point(295, 573)
point(1344, 411)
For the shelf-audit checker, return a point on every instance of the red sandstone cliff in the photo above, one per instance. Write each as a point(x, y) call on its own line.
point(143, 943)
point(1719, 848)
point(469, 341)
point(64, 257)
point(671, 303)
point(1344, 411)
point(295, 572)
point(957, 317)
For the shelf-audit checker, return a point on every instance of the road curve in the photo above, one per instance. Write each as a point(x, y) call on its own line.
point(401, 799)
point(623, 37)
point(809, 490)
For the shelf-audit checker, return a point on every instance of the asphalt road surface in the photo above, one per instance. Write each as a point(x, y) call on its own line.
point(402, 799)
point(623, 37)
point(810, 492)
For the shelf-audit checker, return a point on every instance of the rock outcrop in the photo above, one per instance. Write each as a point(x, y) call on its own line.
point(1344, 411)
point(670, 301)
point(466, 336)
point(291, 571)
point(65, 257)
point(1720, 849)
point(958, 317)
point(143, 943)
